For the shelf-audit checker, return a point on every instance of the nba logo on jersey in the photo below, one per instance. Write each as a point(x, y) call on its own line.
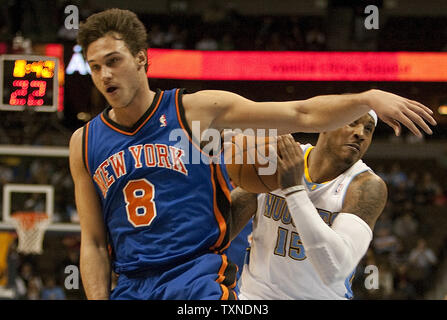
point(339, 188)
point(163, 122)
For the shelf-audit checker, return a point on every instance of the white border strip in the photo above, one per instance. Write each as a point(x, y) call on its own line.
point(34, 151)
point(58, 227)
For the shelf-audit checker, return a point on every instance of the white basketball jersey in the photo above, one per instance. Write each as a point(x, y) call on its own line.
point(277, 266)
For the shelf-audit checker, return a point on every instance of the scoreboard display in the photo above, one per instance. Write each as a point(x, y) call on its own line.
point(29, 82)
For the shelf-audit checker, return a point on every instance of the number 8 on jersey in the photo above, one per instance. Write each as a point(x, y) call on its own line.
point(140, 207)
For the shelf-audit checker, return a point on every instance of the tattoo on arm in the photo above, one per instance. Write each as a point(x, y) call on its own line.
point(366, 197)
point(243, 207)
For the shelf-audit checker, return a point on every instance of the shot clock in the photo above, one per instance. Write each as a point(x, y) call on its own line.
point(29, 82)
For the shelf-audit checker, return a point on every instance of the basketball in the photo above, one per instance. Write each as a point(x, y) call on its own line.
point(251, 164)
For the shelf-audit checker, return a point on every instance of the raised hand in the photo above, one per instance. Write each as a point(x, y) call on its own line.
point(395, 110)
point(290, 162)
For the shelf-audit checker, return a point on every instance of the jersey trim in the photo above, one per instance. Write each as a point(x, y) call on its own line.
point(180, 109)
point(85, 147)
point(181, 116)
point(348, 285)
point(223, 183)
point(221, 204)
point(226, 278)
point(311, 185)
point(139, 124)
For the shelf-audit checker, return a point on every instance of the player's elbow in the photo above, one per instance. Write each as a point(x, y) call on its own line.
point(308, 120)
point(334, 277)
point(331, 268)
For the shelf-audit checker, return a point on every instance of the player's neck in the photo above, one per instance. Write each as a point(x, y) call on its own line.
point(323, 166)
point(127, 116)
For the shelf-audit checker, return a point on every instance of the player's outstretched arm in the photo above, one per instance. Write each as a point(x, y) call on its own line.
point(243, 207)
point(94, 258)
point(225, 110)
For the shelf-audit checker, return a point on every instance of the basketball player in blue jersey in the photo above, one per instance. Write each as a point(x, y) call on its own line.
point(310, 234)
point(167, 220)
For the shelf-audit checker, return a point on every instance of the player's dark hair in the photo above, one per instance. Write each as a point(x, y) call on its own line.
point(116, 22)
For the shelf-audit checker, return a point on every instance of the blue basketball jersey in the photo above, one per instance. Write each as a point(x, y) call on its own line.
point(160, 205)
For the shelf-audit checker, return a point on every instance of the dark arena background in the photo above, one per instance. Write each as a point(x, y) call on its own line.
point(293, 50)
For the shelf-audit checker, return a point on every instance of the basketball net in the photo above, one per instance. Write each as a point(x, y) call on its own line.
point(30, 228)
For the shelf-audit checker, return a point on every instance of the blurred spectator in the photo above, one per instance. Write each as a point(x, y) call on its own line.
point(440, 198)
point(404, 289)
point(156, 36)
point(13, 262)
point(35, 203)
point(6, 175)
point(315, 40)
point(399, 193)
point(21, 45)
point(33, 289)
point(275, 43)
point(427, 189)
point(397, 176)
point(180, 41)
point(171, 35)
point(422, 257)
point(296, 40)
point(226, 43)
point(206, 43)
point(51, 291)
point(28, 283)
point(386, 280)
point(400, 256)
point(412, 182)
point(384, 241)
point(405, 226)
point(421, 261)
point(214, 14)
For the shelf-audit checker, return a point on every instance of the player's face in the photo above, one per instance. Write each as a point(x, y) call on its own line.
point(352, 141)
point(114, 70)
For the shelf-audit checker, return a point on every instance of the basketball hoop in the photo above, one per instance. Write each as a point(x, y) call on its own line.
point(30, 228)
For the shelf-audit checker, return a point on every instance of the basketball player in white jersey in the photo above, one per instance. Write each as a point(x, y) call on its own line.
point(309, 235)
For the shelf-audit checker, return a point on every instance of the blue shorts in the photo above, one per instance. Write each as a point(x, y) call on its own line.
point(208, 277)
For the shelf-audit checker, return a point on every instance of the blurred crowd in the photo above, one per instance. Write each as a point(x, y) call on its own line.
point(54, 275)
point(217, 28)
point(408, 244)
point(221, 27)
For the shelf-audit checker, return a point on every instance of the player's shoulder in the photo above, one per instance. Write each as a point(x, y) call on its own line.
point(369, 180)
point(366, 197)
point(76, 140)
point(77, 136)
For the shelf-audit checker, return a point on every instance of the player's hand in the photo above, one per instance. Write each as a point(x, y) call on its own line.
point(290, 162)
point(395, 110)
